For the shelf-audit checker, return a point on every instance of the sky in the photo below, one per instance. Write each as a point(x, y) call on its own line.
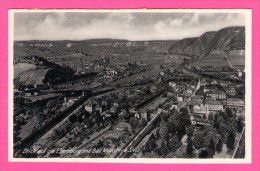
point(130, 25)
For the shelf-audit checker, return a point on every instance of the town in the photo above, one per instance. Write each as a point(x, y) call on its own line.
point(105, 101)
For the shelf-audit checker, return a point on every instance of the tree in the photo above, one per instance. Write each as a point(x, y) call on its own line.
point(211, 148)
point(164, 94)
point(199, 140)
point(231, 141)
point(171, 128)
point(151, 144)
point(211, 117)
point(229, 112)
point(233, 124)
point(190, 130)
point(143, 122)
point(203, 154)
point(163, 150)
point(73, 118)
point(174, 143)
point(184, 117)
point(133, 123)
point(160, 105)
point(164, 133)
point(219, 145)
point(189, 148)
point(181, 131)
point(240, 125)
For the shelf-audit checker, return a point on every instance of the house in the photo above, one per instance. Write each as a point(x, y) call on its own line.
point(172, 84)
point(213, 94)
point(98, 108)
point(179, 98)
point(167, 106)
point(203, 82)
point(231, 90)
point(162, 73)
point(67, 103)
point(198, 98)
point(121, 126)
point(144, 115)
point(196, 108)
point(34, 92)
point(214, 82)
point(88, 107)
point(223, 84)
point(153, 89)
point(213, 105)
point(137, 115)
point(216, 94)
point(235, 103)
point(221, 95)
point(29, 87)
point(206, 88)
point(113, 109)
point(189, 91)
point(178, 105)
point(193, 84)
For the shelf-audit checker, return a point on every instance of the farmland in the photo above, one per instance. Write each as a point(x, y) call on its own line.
point(21, 68)
point(33, 76)
point(218, 58)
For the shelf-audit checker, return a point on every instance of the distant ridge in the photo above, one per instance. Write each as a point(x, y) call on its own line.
point(229, 38)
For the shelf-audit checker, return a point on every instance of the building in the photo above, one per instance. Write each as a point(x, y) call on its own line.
point(180, 99)
point(223, 84)
point(172, 84)
point(213, 105)
point(29, 93)
point(196, 108)
point(221, 95)
point(214, 82)
point(189, 91)
point(216, 94)
point(235, 103)
point(206, 88)
point(88, 107)
point(178, 106)
point(203, 82)
point(231, 90)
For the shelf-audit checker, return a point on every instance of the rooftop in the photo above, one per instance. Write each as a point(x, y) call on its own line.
point(235, 101)
point(213, 102)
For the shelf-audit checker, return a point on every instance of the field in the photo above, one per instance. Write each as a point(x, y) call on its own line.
point(33, 76)
point(21, 68)
point(237, 57)
point(66, 59)
point(217, 58)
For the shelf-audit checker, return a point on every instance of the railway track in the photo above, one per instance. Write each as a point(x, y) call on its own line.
point(36, 135)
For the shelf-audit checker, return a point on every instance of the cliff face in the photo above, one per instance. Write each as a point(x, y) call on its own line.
point(230, 38)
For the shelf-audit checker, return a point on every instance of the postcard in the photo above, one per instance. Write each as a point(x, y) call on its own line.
point(120, 88)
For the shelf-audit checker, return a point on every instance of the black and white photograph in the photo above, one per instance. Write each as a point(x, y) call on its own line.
point(127, 84)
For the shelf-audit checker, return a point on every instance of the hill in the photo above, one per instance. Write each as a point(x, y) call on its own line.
point(208, 46)
point(230, 38)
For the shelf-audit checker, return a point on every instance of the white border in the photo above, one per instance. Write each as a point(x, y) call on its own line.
point(248, 95)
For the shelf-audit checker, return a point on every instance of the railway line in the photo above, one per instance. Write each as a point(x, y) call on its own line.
point(37, 134)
